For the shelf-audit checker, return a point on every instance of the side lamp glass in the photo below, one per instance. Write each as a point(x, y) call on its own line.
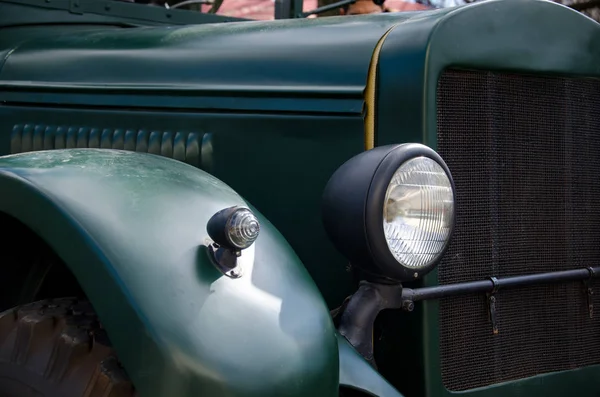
point(233, 230)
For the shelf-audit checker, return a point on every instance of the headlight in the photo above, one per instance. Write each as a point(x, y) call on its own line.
point(390, 210)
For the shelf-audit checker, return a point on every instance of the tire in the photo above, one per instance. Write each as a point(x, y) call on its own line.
point(58, 348)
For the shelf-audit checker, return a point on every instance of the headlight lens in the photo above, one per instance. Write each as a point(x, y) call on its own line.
point(418, 212)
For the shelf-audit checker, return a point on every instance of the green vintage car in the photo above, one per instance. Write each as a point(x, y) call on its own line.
point(402, 204)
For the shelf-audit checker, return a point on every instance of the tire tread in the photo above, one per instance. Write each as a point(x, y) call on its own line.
point(56, 341)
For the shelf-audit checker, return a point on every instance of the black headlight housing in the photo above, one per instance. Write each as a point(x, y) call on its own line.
point(353, 209)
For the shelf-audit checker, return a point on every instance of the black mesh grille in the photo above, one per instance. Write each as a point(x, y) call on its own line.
point(524, 152)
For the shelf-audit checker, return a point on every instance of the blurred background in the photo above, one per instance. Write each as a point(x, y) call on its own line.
point(264, 9)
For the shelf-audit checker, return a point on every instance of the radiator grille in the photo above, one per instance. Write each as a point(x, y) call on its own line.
point(524, 152)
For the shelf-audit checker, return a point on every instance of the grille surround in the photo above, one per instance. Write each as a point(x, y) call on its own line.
point(515, 145)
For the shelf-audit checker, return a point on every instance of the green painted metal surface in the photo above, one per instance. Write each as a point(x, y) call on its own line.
point(216, 66)
point(279, 106)
point(210, 80)
point(240, 149)
point(132, 228)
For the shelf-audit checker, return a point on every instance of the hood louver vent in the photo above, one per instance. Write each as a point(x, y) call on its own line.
point(188, 147)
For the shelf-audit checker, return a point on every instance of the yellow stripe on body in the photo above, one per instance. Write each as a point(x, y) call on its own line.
point(370, 94)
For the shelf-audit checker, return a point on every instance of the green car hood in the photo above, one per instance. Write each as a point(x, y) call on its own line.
point(205, 66)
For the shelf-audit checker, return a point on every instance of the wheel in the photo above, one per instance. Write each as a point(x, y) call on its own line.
point(58, 348)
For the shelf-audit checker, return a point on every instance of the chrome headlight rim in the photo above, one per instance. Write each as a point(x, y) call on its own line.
point(374, 211)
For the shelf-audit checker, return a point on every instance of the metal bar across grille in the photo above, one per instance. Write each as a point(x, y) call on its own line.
point(524, 152)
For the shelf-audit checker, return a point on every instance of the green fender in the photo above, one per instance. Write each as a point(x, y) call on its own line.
point(132, 228)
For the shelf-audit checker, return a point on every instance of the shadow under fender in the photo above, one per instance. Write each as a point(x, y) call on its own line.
point(132, 229)
point(357, 373)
